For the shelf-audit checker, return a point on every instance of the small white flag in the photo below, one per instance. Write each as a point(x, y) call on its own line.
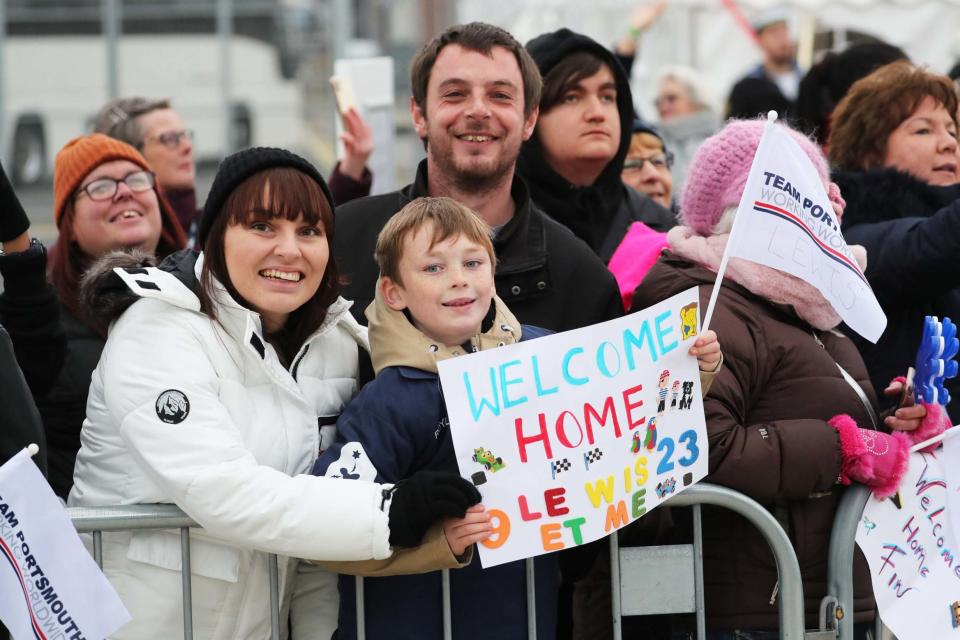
point(50, 587)
point(786, 221)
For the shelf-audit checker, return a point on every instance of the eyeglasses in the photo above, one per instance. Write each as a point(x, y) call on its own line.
point(659, 161)
point(667, 98)
point(106, 188)
point(171, 139)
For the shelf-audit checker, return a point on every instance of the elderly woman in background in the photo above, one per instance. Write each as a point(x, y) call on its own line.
point(158, 132)
point(646, 169)
point(893, 147)
point(686, 116)
point(648, 164)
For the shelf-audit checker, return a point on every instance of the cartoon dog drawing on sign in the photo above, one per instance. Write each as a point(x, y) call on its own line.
point(686, 400)
point(688, 320)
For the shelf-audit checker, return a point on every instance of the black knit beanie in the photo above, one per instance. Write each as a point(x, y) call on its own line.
point(241, 165)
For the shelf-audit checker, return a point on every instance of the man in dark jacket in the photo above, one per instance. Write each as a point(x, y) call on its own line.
point(475, 97)
point(774, 83)
point(574, 159)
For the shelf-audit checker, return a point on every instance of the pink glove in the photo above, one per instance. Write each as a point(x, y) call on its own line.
point(933, 424)
point(873, 458)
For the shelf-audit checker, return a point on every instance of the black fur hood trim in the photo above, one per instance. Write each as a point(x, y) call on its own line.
point(104, 296)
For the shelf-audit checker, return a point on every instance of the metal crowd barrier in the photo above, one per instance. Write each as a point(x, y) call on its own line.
point(839, 601)
point(683, 592)
point(682, 565)
point(134, 517)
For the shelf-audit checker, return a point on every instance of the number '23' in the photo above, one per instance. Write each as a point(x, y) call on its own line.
point(688, 438)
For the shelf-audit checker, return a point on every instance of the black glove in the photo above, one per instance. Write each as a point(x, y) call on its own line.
point(13, 219)
point(424, 498)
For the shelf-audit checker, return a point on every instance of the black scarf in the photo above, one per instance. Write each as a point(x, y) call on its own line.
point(877, 195)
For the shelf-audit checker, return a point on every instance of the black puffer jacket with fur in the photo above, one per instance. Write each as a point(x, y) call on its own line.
point(911, 232)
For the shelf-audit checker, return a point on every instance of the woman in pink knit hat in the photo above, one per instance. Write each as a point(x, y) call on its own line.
point(785, 426)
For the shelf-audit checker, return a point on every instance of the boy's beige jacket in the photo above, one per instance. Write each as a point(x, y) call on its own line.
point(394, 341)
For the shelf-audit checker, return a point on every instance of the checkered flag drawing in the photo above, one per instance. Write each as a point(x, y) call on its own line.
point(592, 456)
point(559, 466)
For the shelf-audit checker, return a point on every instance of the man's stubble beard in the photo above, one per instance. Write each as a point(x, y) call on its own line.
point(475, 180)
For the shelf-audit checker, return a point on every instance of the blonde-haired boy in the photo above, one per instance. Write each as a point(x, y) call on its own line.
point(435, 299)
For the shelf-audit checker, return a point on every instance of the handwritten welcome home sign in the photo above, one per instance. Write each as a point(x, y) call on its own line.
point(573, 436)
point(913, 553)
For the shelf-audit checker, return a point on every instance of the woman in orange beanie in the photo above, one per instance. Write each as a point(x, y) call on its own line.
point(105, 198)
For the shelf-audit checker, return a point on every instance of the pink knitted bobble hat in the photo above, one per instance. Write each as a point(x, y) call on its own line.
point(719, 169)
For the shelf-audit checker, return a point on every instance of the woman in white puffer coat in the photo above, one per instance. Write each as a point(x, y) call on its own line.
point(216, 389)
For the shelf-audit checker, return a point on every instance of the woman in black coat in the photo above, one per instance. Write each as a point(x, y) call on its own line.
point(893, 147)
point(56, 344)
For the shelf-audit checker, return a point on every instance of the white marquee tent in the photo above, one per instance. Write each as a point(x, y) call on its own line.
point(704, 34)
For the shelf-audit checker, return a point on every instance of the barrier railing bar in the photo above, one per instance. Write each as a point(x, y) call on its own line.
point(130, 517)
point(615, 609)
point(531, 600)
point(185, 571)
point(140, 517)
point(447, 617)
point(791, 610)
point(274, 595)
point(698, 573)
point(788, 568)
point(98, 549)
point(361, 620)
point(842, 541)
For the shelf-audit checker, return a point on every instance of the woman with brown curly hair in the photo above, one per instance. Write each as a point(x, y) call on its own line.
point(893, 148)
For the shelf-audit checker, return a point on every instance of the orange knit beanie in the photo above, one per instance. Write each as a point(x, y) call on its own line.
point(79, 157)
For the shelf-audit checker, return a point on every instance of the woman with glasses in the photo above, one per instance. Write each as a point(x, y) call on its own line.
point(156, 130)
point(648, 164)
point(105, 198)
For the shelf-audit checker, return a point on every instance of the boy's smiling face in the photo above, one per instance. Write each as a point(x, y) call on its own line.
point(447, 287)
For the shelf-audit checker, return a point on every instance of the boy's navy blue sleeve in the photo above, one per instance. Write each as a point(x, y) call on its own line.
point(374, 441)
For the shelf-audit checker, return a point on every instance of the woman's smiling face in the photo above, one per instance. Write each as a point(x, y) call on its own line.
point(275, 264)
point(124, 220)
point(925, 145)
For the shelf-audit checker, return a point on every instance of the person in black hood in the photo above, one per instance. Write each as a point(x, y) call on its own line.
point(575, 157)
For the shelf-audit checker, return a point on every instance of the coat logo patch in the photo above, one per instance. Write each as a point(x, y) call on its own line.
point(172, 406)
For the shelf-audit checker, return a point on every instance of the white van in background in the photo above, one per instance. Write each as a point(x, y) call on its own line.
point(54, 82)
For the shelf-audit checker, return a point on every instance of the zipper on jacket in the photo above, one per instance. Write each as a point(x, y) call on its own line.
point(773, 594)
point(296, 363)
point(857, 389)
